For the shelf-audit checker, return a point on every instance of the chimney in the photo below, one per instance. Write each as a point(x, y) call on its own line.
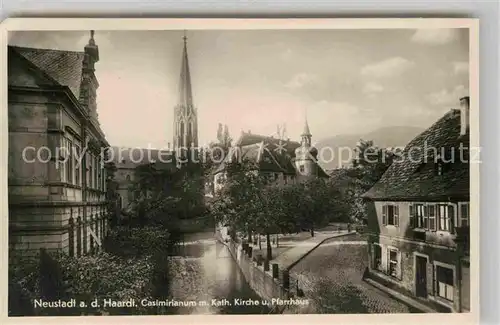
point(464, 115)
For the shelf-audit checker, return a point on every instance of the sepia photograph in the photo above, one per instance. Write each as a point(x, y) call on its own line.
point(189, 171)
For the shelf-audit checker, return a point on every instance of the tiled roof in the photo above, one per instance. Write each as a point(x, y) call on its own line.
point(416, 178)
point(65, 67)
point(267, 152)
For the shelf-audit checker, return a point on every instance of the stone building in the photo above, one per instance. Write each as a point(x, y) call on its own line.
point(56, 182)
point(284, 161)
point(419, 223)
point(126, 161)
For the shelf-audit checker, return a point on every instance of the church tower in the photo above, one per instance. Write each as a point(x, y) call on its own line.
point(185, 114)
point(305, 155)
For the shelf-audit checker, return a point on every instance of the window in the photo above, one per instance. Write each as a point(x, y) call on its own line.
point(431, 209)
point(390, 215)
point(91, 171)
point(377, 257)
point(464, 214)
point(421, 216)
point(445, 217)
point(128, 178)
point(444, 278)
point(69, 162)
point(393, 260)
point(301, 168)
point(77, 166)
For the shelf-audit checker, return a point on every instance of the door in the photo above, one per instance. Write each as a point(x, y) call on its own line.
point(421, 276)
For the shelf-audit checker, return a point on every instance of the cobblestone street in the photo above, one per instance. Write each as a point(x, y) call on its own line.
point(331, 276)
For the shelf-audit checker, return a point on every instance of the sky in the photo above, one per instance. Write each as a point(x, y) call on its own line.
point(346, 81)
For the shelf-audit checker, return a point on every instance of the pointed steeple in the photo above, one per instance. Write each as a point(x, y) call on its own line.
point(185, 115)
point(306, 133)
point(185, 92)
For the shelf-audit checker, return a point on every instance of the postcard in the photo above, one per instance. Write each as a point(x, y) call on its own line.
point(167, 167)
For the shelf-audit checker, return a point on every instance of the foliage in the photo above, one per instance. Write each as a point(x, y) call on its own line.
point(136, 269)
point(164, 194)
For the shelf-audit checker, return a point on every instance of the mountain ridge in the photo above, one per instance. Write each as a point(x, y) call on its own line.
point(341, 145)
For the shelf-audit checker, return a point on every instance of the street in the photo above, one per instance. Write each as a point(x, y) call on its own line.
point(332, 278)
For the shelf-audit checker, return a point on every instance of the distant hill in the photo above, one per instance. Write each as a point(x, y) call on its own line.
point(342, 145)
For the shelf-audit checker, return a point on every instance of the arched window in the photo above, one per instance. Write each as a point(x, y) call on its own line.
point(128, 178)
point(189, 134)
point(182, 129)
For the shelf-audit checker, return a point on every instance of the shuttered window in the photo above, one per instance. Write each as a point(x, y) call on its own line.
point(444, 282)
point(464, 214)
point(431, 209)
point(394, 263)
point(412, 220)
point(390, 215)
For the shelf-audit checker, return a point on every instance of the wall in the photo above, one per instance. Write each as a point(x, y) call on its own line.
point(404, 230)
point(260, 281)
point(406, 281)
point(45, 210)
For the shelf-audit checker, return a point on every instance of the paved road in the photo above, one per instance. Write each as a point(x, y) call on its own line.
point(332, 276)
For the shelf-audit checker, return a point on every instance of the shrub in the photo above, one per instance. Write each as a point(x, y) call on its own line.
point(136, 267)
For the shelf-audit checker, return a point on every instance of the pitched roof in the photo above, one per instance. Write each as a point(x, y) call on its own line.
point(271, 154)
point(414, 176)
point(65, 67)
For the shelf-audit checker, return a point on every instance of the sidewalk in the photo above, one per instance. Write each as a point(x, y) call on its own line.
point(291, 251)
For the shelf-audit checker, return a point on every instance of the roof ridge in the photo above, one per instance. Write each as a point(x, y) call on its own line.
point(44, 49)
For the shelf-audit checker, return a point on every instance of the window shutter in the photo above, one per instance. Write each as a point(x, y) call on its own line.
point(433, 215)
point(400, 266)
point(384, 215)
point(451, 218)
point(396, 215)
point(412, 216)
point(388, 260)
point(434, 281)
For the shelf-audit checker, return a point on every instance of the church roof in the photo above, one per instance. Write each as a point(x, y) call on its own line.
point(414, 176)
point(271, 154)
point(64, 67)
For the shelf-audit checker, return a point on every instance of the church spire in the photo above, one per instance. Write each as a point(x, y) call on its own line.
point(185, 115)
point(306, 133)
point(185, 92)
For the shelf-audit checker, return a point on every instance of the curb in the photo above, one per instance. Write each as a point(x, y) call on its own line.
point(316, 246)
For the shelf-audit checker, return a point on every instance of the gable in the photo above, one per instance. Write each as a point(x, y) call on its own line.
point(23, 74)
point(63, 67)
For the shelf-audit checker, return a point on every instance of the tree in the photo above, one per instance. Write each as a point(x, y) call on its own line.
point(368, 166)
point(313, 203)
point(164, 194)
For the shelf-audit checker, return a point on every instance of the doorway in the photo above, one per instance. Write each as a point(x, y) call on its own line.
point(421, 276)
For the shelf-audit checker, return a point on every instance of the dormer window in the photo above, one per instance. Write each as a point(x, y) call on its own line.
point(439, 168)
point(441, 164)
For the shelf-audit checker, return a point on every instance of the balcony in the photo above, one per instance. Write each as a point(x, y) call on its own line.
point(462, 239)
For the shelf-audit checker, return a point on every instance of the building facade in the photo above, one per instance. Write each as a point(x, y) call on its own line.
point(419, 221)
point(283, 161)
point(56, 179)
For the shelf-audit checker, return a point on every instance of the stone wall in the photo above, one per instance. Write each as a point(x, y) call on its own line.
point(262, 282)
